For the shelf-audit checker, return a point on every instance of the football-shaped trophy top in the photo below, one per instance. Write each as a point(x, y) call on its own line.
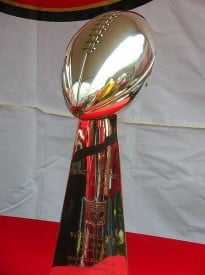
point(107, 63)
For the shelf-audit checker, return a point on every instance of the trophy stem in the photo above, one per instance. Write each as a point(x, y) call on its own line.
point(92, 222)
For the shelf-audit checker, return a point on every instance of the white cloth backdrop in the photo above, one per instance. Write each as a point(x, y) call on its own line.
point(162, 135)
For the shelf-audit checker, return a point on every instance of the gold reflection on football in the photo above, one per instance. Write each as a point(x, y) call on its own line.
point(107, 63)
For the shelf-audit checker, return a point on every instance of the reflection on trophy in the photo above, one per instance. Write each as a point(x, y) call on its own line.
point(107, 63)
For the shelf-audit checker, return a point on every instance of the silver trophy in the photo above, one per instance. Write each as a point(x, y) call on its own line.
point(107, 63)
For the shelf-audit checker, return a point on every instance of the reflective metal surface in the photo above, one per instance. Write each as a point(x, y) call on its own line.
point(92, 222)
point(107, 63)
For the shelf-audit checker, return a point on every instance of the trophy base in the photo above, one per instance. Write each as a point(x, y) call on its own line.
point(114, 265)
point(92, 236)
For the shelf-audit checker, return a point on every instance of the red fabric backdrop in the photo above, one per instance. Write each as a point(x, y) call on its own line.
point(27, 248)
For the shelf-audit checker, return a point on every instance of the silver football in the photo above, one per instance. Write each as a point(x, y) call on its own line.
point(107, 62)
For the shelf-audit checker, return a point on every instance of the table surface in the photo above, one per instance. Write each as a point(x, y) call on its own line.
point(26, 248)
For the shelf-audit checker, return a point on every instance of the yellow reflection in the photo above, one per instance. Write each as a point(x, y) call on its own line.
point(128, 52)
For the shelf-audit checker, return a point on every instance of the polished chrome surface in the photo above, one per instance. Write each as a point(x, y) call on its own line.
point(92, 222)
point(107, 63)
